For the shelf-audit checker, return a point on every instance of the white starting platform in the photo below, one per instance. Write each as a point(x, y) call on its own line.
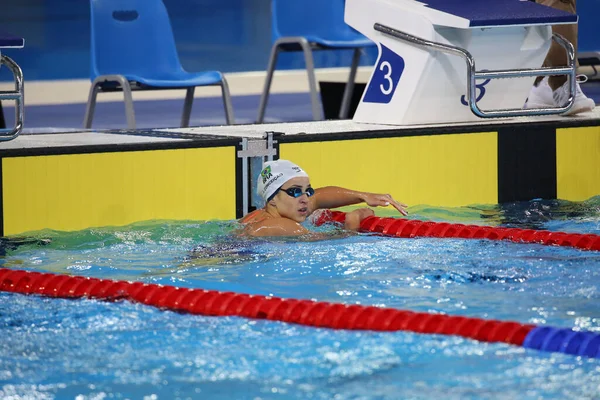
point(446, 61)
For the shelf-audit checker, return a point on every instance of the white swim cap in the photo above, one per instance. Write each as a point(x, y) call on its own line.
point(274, 174)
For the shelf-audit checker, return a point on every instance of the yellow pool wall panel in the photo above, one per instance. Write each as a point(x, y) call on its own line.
point(578, 163)
point(77, 191)
point(438, 170)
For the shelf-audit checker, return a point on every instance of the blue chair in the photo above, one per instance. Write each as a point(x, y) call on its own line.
point(133, 48)
point(307, 25)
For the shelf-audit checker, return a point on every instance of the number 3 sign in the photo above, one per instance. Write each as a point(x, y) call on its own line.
point(385, 78)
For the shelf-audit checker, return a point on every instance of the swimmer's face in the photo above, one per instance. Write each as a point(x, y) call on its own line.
point(295, 208)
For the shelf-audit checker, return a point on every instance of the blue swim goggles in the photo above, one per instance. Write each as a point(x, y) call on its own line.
point(296, 192)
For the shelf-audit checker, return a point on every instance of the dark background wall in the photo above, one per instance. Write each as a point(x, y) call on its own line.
point(225, 35)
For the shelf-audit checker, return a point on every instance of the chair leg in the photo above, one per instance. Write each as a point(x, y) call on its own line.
point(187, 107)
point(227, 102)
point(317, 110)
point(264, 97)
point(349, 90)
point(91, 106)
point(129, 113)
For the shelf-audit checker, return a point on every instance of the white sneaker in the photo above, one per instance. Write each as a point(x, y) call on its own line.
point(582, 102)
point(540, 96)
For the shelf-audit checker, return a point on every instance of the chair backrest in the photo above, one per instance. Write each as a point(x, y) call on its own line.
point(132, 37)
point(312, 19)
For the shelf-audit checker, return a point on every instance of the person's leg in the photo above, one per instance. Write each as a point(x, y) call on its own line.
point(557, 56)
point(554, 91)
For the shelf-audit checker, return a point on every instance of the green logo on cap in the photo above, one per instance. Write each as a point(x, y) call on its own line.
point(266, 173)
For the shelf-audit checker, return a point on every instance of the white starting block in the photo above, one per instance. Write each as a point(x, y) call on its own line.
point(426, 73)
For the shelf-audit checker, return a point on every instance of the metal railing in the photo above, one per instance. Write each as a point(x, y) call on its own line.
point(473, 75)
point(17, 96)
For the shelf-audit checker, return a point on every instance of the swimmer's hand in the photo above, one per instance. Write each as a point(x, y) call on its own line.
point(335, 196)
point(354, 218)
point(384, 200)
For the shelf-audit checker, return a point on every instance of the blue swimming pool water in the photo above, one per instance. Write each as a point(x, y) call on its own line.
point(56, 348)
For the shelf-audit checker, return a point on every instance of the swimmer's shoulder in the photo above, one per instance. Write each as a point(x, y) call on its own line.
point(266, 225)
point(254, 216)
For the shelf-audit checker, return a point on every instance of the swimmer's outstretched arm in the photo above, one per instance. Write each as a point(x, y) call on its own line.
point(334, 196)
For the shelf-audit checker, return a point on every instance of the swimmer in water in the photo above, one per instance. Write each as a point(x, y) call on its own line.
point(290, 199)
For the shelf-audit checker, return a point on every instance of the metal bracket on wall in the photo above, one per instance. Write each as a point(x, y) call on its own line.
point(254, 153)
